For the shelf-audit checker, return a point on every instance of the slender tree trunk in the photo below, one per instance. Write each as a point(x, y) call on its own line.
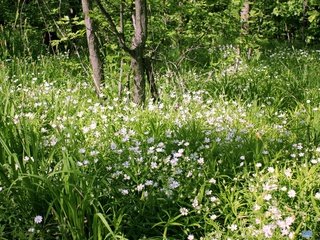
point(121, 31)
point(244, 16)
point(93, 51)
point(305, 19)
point(138, 46)
point(151, 80)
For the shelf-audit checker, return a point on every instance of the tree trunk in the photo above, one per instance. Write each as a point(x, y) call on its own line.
point(93, 51)
point(140, 64)
point(138, 46)
point(245, 17)
point(150, 77)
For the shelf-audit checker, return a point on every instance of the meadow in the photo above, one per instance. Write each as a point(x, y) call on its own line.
point(225, 154)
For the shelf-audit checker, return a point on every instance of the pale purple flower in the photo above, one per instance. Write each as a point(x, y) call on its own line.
point(38, 219)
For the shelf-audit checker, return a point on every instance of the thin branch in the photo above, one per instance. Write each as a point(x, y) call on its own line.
point(114, 30)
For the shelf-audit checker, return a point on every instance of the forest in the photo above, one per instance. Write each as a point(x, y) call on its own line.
point(159, 119)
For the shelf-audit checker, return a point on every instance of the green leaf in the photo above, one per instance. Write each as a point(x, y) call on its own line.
point(313, 16)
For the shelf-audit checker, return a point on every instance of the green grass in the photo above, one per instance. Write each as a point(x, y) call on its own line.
point(223, 156)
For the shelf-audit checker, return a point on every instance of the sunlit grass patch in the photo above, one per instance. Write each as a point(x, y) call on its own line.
point(241, 164)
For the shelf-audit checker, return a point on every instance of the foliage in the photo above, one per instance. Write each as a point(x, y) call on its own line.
point(209, 161)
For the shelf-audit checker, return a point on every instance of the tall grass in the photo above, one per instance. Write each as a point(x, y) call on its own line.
point(231, 156)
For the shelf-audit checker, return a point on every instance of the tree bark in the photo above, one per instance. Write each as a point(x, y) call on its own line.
point(137, 47)
point(150, 77)
point(96, 65)
point(245, 17)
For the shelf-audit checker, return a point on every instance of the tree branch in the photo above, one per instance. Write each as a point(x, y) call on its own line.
point(114, 30)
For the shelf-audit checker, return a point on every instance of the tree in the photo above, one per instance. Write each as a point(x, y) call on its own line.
point(141, 65)
point(93, 51)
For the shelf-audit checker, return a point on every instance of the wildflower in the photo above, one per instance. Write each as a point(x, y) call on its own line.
point(26, 159)
point(149, 183)
point(113, 146)
point(85, 162)
point(213, 217)
point(256, 207)
point(31, 230)
point(317, 196)
point(184, 211)
point(291, 235)
point(208, 192)
point(214, 199)
point(173, 183)
point(140, 187)
point(190, 237)
point(154, 165)
point(307, 234)
point(124, 191)
point(233, 227)
point(270, 169)
point(267, 197)
point(268, 230)
point(195, 203)
point(80, 164)
point(212, 181)
point(289, 220)
point(259, 165)
point(82, 150)
point(274, 213)
point(288, 172)
point(93, 125)
point(38, 219)
point(201, 161)
point(85, 130)
point(291, 193)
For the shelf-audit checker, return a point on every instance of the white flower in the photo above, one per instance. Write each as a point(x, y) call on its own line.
point(213, 217)
point(212, 181)
point(190, 237)
point(317, 196)
point(124, 191)
point(259, 165)
point(288, 172)
point(38, 219)
point(82, 150)
point(93, 125)
point(140, 187)
point(289, 220)
point(270, 169)
point(267, 197)
point(256, 207)
point(113, 146)
point(184, 211)
point(291, 193)
point(233, 227)
point(201, 161)
point(154, 165)
point(268, 230)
